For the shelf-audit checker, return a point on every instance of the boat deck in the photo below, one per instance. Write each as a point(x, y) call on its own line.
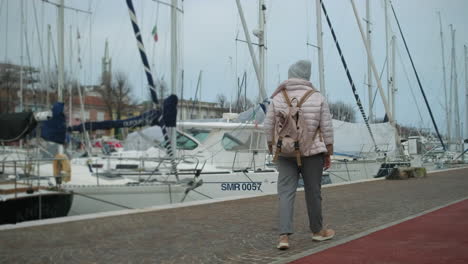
point(235, 231)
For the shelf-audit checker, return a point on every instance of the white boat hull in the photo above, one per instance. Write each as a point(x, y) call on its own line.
point(103, 198)
point(347, 171)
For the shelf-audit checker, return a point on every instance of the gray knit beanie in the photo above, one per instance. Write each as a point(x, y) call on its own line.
point(300, 70)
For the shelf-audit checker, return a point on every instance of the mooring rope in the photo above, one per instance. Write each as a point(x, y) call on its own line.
point(99, 200)
point(149, 77)
point(348, 74)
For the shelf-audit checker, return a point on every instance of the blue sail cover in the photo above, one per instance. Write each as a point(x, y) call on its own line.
point(54, 129)
point(149, 118)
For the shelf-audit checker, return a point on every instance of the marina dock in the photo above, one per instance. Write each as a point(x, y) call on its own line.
point(245, 230)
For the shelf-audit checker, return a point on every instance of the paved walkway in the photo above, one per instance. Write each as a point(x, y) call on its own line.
point(240, 231)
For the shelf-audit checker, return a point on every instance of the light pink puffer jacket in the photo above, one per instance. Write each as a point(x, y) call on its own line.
point(316, 113)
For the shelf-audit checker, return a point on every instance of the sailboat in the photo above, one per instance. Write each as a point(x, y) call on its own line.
point(22, 196)
point(92, 194)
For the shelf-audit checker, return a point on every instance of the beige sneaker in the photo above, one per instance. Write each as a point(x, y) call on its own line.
point(283, 243)
point(324, 234)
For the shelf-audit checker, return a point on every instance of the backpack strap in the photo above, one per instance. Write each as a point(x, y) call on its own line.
point(318, 131)
point(305, 97)
point(286, 97)
point(278, 148)
point(298, 155)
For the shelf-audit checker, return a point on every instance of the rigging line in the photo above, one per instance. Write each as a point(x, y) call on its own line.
point(417, 77)
point(97, 199)
point(88, 24)
point(380, 77)
point(149, 77)
point(28, 54)
point(38, 37)
point(6, 33)
point(53, 51)
point(409, 83)
point(348, 74)
point(170, 5)
point(154, 43)
point(67, 7)
point(143, 56)
point(1, 5)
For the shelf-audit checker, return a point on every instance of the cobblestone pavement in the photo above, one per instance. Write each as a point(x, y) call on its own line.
point(240, 231)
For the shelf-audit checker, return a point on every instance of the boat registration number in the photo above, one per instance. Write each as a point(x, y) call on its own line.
point(241, 186)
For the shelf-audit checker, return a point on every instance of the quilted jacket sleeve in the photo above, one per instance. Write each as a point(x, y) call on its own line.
point(269, 122)
point(326, 126)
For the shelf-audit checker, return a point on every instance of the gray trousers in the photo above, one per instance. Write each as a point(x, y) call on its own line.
point(312, 169)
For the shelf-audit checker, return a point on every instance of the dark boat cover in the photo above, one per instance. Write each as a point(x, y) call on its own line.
point(15, 126)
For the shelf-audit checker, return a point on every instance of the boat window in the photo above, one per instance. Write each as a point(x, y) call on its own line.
point(236, 141)
point(200, 135)
point(243, 140)
point(185, 143)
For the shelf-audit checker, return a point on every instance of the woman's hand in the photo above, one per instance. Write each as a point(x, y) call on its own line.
point(327, 164)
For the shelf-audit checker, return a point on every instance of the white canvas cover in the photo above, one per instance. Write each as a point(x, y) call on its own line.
point(354, 138)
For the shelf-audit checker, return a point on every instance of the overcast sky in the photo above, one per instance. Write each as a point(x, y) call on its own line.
point(208, 30)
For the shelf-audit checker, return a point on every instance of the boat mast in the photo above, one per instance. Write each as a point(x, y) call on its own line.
point(318, 11)
point(444, 75)
point(261, 42)
point(374, 68)
point(21, 57)
point(87, 144)
point(200, 78)
point(49, 34)
point(393, 78)
point(60, 38)
point(174, 66)
point(376, 76)
point(466, 94)
point(387, 56)
point(70, 84)
point(455, 93)
point(6, 34)
point(417, 76)
point(369, 69)
point(450, 109)
point(262, 91)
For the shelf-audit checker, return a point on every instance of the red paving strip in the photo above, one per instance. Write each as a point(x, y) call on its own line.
point(437, 237)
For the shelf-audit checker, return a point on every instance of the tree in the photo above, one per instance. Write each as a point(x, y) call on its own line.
point(121, 94)
point(342, 111)
point(10, 75)
point(242, 104)
point(116, 94)
point(115, 91)
point(51, 87)
point(221, 100)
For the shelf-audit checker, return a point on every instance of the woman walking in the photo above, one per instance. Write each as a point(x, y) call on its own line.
point(299, 132)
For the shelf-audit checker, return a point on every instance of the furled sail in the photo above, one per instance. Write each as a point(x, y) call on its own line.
point(147, 118)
